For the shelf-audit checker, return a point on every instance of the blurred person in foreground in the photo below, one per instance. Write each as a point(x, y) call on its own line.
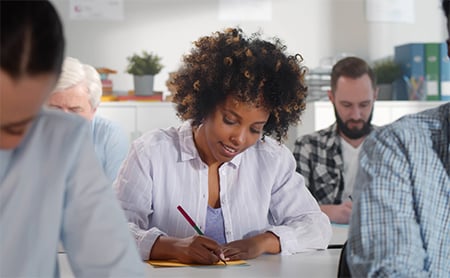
point(52, 188)
point(400, 226)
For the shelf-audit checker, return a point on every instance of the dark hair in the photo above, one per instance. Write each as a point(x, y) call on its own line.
point(446, 7)
point(32, 39)
point(251, 70)
point(352, 67)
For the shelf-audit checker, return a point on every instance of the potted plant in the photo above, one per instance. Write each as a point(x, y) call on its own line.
point(386, 71)
point(143, 68)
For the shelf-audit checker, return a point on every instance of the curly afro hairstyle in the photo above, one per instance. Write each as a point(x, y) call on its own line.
point(251, 70)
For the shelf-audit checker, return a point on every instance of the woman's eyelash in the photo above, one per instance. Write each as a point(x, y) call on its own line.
point(227, 121)
point(230, 122)
point(255, 131)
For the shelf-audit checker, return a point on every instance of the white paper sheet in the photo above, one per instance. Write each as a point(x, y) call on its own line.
point(96, 10)
point(245, 10)
point(390, 11)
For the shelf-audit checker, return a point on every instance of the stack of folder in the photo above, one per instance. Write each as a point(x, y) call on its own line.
point(426, 71)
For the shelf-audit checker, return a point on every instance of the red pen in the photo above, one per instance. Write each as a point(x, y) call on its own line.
point(196, 228)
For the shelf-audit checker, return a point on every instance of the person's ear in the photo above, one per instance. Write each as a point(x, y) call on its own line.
point(330, 96)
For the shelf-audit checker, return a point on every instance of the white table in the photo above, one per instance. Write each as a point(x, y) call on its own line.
point(339, 237)
point(310, 264)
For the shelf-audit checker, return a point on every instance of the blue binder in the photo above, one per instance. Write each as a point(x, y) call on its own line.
point(411, 59)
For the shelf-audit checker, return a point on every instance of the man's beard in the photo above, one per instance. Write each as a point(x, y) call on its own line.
point(353, 133)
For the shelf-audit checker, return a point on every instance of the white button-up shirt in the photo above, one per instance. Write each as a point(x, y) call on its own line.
point(259, 191)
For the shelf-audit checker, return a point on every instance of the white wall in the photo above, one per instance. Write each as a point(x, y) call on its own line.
point(313, 28)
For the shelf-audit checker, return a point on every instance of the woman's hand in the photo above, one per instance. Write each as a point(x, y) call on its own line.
point(252, 247)
point(195, 249)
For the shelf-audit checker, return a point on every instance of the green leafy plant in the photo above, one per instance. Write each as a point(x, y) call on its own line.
point(386, 70)
point(145, 64)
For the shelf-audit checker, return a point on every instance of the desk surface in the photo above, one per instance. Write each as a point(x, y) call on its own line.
point(339, 237)
point(310, 264)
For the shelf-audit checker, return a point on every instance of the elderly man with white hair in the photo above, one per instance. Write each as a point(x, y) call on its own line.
point(79, 91)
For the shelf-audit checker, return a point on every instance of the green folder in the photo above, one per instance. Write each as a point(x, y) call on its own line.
point(432, 72)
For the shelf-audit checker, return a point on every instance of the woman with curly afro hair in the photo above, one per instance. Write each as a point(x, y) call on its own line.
point(226, 164)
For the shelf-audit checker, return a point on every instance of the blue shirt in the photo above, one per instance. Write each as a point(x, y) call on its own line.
point(53, 189)
point(111, 145)
point(401, 215)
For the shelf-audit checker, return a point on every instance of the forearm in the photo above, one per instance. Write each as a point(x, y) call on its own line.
point(339, 214)
point(145, 239)
point(328, 210)
point(268, 242)
point(311, 232)
point(252, 247)
point(164, 248)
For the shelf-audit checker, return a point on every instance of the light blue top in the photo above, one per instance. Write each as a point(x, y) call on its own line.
point(53, 189)
point(111, 145)
point(214, 227)
point(400, 225)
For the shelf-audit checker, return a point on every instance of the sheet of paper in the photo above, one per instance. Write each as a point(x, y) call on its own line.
point(245, 10)
point(390, 11)
point(162, 263)
point(97, 10)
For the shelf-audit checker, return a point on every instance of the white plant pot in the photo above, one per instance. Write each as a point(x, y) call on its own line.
point(143, 85)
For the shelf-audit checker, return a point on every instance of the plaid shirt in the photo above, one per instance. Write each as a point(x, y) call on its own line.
point(319, 161)
point(400, 224)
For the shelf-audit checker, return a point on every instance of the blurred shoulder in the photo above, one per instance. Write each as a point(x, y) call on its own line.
point(424, 130)
point(51, 119)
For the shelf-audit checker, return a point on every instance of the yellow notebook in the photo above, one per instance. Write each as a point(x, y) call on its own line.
point(162, 263)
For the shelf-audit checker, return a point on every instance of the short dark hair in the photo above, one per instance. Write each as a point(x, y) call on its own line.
point(352, 67)
point(32, 39)
point(446, 7)
point(249, 69)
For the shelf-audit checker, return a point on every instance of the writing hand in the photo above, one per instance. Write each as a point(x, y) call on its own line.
point(339, 214)
point(195, 249)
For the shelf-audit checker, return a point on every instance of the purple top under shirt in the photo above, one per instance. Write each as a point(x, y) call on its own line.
point(214, 227)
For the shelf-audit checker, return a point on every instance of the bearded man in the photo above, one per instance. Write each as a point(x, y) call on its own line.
point(328, 158)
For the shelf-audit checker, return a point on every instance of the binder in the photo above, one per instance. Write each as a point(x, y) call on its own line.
point(444, 72)
point(432, 72)
point(410, 57)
